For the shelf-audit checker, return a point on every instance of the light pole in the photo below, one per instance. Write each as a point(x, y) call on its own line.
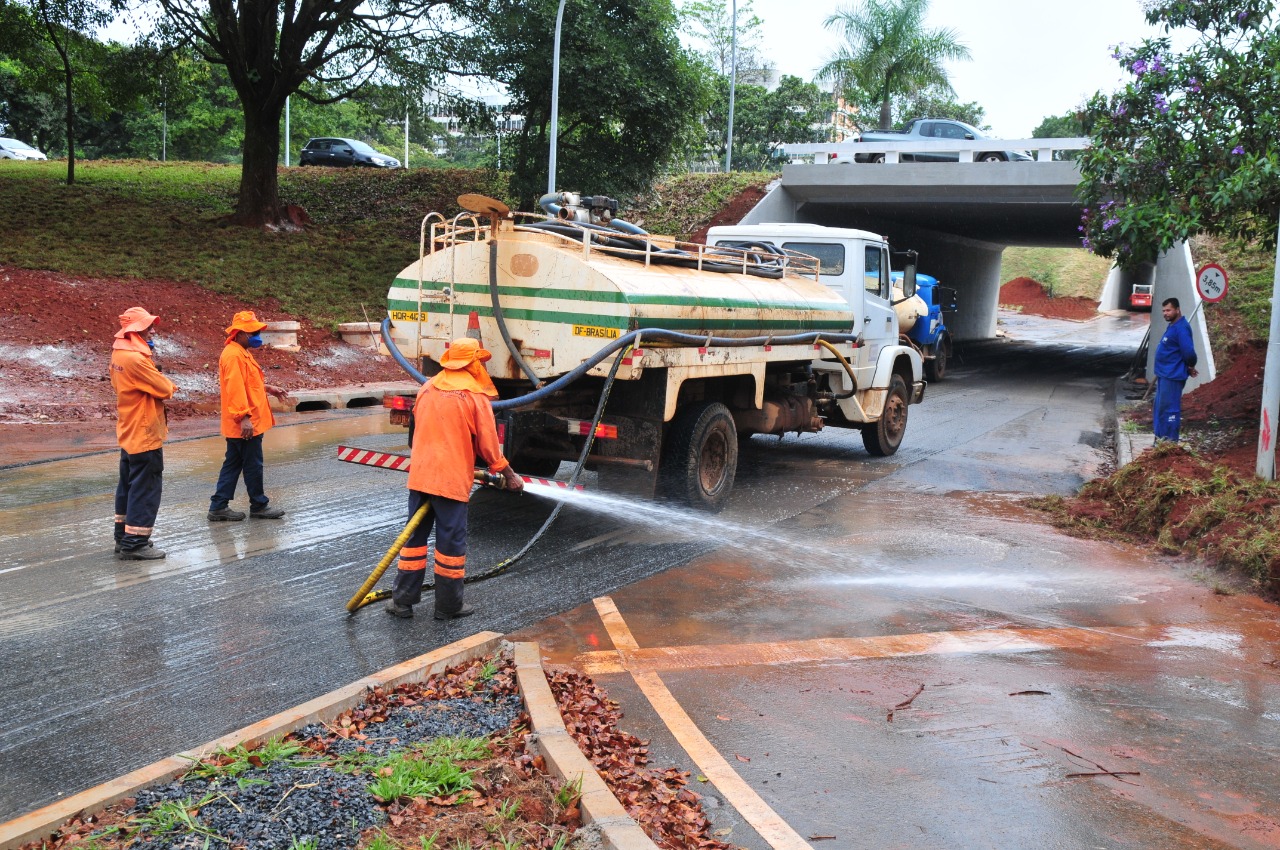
point(555, 101)
point(287, 135)
point(733, 83)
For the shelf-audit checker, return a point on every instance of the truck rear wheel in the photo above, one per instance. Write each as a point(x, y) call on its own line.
point(936, 368)
point(883, 437)
point(700, 457)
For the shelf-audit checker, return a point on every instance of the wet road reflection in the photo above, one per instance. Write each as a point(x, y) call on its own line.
point(111, 665)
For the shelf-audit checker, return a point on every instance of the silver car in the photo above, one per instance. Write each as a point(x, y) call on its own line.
point(14, 149)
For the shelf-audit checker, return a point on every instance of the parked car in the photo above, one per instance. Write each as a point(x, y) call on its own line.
point(338, 152)
point(923, 129)
point(14, 149)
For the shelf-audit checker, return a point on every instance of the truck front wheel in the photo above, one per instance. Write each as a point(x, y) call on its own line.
point(883, 437)
point(700, 457)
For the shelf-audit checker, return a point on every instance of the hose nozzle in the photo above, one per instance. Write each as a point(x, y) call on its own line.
point(490, 479)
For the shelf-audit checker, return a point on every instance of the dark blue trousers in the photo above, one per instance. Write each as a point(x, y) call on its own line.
point(1166, 415)
point(138, 497)
point(449, 517)
point(244, 457)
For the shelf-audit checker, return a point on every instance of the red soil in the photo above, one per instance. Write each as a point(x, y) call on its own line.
point(1030, 297)
point(56, 333)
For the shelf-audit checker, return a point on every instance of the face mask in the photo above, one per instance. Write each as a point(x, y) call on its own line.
point(151, 343)
point(255, 340)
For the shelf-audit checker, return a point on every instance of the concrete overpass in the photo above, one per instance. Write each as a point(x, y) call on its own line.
point(961, 216)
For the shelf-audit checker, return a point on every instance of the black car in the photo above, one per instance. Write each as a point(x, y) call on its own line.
point(337, 152)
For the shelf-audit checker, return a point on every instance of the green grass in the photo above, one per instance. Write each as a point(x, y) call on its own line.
point(238, 760)
point(138, 219)
point(1063, 272)
point(413, 775)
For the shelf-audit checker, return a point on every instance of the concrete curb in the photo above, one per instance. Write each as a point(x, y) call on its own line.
point(566, 762)
point(45, 821)
point(340, 398)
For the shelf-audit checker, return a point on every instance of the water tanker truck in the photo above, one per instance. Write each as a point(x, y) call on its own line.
point(676, 350)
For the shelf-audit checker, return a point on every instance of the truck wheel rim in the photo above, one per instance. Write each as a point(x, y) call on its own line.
point(713, 462)
point(895, 415)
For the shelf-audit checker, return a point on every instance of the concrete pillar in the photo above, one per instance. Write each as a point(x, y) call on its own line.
point(1175, 277)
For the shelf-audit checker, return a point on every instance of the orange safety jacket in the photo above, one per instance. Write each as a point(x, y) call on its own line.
point(244, 391)
point(141, 425)
point(452, 429)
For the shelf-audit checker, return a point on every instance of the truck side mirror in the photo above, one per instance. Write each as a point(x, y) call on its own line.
point(909, 281)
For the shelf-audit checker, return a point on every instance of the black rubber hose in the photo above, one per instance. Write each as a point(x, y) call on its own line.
point(649, 334)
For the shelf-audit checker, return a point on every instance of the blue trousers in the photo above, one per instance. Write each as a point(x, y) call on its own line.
point(449, 517)
point(138, 497)
point(1166, 416)
point(244, 457)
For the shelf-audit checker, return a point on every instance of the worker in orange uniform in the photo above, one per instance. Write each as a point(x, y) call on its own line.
point(246, 416)
point(454, 426)
point(141, 428)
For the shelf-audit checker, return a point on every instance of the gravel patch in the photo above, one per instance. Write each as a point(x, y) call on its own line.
point(466, 717)
point(271, 809)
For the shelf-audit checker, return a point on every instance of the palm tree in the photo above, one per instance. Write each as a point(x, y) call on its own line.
point(889, 52)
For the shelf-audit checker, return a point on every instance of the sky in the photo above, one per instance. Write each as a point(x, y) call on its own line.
point(1031, 59)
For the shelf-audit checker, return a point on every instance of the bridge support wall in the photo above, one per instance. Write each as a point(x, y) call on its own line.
point(1175, 277)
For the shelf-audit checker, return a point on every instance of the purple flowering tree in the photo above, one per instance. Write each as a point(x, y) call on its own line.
point(1191, 144)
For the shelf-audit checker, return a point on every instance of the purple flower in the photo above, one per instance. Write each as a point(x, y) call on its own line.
point(1121, 110)
point(1157, 67)
point(1117, 52)
point(1086, 244)
point(1161, 103)
point(1139, 67)
point(1241, 16)
point(1110, 223)
point(1237, 150)
point(1193, 85)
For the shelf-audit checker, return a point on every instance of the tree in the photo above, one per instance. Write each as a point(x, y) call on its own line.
point(710, 22)
point(889, 53)
point(1189, 144)
point(763, 121)
point(271, 49)
point(1069, 126)
point(629, 95)
point(50, 38)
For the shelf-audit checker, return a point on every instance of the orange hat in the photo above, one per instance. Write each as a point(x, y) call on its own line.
point(245, 321)
point(462, 352)
point(135, 320)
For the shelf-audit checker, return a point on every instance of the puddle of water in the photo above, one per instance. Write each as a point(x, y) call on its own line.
point(1180, 636)
point(926, 581)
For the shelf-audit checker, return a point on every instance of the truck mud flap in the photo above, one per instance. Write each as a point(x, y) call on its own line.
point(917, 392)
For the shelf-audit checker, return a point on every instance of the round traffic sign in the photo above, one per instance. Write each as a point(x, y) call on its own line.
point(1211, 283)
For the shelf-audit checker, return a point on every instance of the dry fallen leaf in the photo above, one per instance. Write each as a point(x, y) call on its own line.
point(741, 758)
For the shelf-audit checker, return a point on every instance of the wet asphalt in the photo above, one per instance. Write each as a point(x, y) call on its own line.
point(832, 587)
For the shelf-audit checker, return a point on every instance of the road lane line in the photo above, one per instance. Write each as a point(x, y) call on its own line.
point(708, 656)
point(737, 793)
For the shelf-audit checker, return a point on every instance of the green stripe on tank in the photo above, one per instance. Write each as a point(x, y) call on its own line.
point(636, 300)
point(622, 323)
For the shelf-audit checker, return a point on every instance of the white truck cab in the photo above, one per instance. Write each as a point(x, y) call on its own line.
point(855, 263)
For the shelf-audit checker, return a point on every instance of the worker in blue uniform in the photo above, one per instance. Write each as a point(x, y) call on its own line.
point(1175, 361)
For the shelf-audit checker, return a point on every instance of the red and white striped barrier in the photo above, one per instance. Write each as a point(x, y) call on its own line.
point(384, 460)
point(394, 460)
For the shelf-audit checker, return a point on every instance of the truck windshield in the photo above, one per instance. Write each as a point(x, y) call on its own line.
point(830, 256)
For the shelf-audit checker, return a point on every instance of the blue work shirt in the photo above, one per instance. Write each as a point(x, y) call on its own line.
point(1176, 352)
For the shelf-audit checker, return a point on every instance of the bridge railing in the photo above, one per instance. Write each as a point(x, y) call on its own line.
point(824, 153)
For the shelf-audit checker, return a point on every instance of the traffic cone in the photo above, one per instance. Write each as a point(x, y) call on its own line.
point(473, 326)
